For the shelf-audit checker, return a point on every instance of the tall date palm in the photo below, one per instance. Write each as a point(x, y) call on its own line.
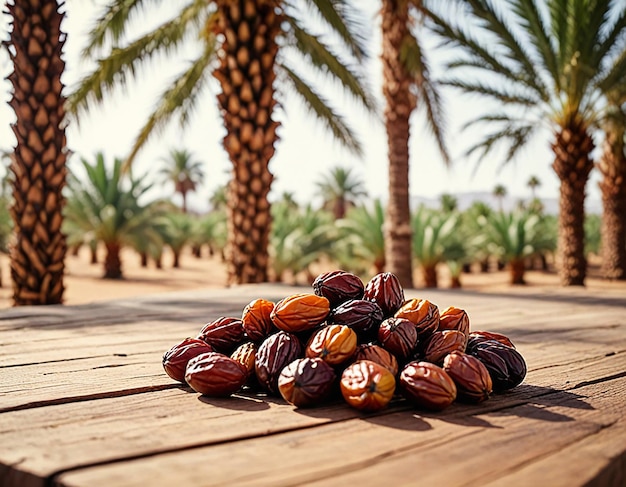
point(247, 45)
point(38, 164)
point(544, 62)
point(183, 172)
point(406, 73)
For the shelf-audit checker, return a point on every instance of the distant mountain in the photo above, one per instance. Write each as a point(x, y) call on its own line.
point(465, 200)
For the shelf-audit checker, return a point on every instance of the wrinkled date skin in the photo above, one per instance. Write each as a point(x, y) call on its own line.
point(367, 386)
point(399, 336)
point(362, 316)
point(245, 354)
point(476, 337)
point(386, 291)
point(375, 353)
point(273, 355)
point(506, 365)
point(454, 319)
point(423, 314)
point(176, 358)
point(334, 344)
point(306, 382)
point(441, 343)
point(223, 334)
point(256, 319)
point(338, 287)
point(300, 312)
point(215, 374)
point(472, 379)
point(427, 385)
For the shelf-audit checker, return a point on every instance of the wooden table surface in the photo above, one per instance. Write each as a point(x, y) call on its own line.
point(84, 401)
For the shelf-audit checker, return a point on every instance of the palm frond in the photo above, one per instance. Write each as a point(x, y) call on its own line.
point(515, 137)
point(179, 97)
point(500, 93)
point(319, 107)
point(339, 16)
point(123, 62)
point(414, 59)
point(321, 57)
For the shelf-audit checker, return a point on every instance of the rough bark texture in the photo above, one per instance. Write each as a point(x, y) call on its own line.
point(399, 105)
point(247, 101)
point(39, 247)
point(613, 188)
point(572, 165)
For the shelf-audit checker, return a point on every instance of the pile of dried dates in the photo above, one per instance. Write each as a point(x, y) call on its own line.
point(364, 342)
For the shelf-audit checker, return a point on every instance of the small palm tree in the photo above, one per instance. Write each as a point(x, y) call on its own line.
point(178, 232)
point(218, 199)
point(449, 203)
point(499, 191)
point(533, 183)
point(515, 237)
point(183, 172)
point(340, 190)
point(434, 241)
point(361, 244)
point(107, 206)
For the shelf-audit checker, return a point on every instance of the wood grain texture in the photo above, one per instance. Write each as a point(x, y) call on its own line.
point(84, 401)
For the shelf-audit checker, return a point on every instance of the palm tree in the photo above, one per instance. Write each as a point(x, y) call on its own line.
point(405, 73)
point(38, 253)
point(183, 172)
point(516, 236)
point(545, 62)
point(340, 190)
point(612, 165)
point(533, 183)
point(247, 45)
point(499, 191)
point(109, 209)
point(218, 199)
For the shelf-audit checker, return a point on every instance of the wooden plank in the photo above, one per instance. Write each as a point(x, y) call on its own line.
point(109, 429)
point(396, 449)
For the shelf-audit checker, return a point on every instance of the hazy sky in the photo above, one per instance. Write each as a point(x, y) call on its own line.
point(305, 152)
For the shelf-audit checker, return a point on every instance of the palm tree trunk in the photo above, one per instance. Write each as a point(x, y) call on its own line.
point(518, 268)
point(38, 252)
point(184, 195)
point(613, 188)
point(176, 263)
point(430, 276)
point(143, 259)
point(400, 103)
point(112, 261)
point(93, 251)
point(572, 165)
point(246, 75)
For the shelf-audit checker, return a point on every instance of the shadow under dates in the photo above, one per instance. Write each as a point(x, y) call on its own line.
point(236, 403)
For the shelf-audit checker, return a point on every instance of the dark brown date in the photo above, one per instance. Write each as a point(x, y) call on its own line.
point(223, 334)
point(176, 358)
point(215, 374)
point(375, 353)
point(338, 287)
point(441, 343)
point(306, 381)
point(361, 315)
point(472, 379)
point(385, 290)
point(399, 336)
point(273, 355)
point(506, 365)
point(427, 385)
point(476, 337)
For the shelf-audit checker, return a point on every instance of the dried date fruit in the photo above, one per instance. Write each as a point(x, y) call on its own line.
point(422, 313)
point(480, 336)
point(256, 319)
point(223, 334)
point(367, 386)
point(472, 379)
point(300, 312)
point(375, 353)
point(427, 385)
point(273, 355)
point(441, 343)
point(385, 290)
point(176, 358)
point(338, 287)
point(334, 344)
point(399, 336)
point(245, 354)
point(306, 381)
point(506, 365)
point(453, 318)
point(361, 315)
point(215, 374)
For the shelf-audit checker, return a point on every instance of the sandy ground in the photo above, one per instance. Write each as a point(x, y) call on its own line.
point(84, 284)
